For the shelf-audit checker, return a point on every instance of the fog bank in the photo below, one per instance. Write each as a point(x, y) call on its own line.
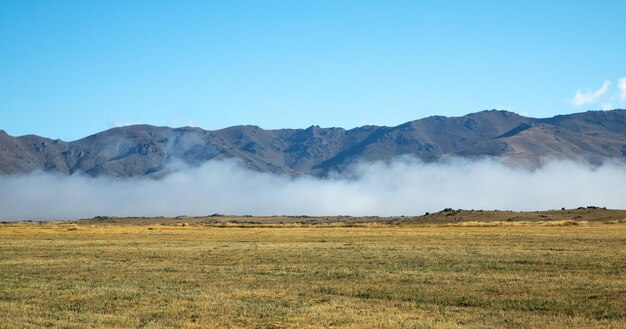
point(401, 187)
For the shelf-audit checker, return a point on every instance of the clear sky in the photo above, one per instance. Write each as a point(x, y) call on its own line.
point(72, 68)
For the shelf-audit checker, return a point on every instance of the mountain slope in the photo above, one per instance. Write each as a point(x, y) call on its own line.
point(140, 150)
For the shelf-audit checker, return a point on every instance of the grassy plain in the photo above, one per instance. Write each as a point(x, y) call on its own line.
point(515, 275)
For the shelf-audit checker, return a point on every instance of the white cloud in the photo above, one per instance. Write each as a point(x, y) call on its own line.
point(590, 97)
point(118, 124)
point(621, 84)
point(401, 187)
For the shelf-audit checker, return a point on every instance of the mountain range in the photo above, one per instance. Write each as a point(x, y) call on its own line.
point(141, 150)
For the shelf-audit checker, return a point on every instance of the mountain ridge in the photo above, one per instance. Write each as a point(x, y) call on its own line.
point(144, 150)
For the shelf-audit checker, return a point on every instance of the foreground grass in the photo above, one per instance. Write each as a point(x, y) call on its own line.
point(299, 277)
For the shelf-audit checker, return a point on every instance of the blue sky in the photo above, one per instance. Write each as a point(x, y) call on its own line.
point(72, 68)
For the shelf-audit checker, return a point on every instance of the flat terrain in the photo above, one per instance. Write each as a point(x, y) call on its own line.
point(560, 274)
point(446, 216)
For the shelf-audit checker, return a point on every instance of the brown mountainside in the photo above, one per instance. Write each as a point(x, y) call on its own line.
point(139, 150)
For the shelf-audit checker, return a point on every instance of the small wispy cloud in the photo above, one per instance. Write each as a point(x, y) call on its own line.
point(117, 124)
point(591, 96)
point(607, 106)
point(621, 85)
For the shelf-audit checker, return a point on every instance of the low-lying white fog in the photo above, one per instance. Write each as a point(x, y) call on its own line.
point(402, 187)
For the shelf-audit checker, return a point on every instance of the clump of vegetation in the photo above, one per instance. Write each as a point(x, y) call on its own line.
point(72, 227)
point(567, 222)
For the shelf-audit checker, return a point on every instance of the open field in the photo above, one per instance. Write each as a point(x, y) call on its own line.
point(447, 216)
point(518, 275)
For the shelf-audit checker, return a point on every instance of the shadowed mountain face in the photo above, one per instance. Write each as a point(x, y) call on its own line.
point(147, 150)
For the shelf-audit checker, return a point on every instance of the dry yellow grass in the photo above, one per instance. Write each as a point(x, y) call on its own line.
point(371, 276)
